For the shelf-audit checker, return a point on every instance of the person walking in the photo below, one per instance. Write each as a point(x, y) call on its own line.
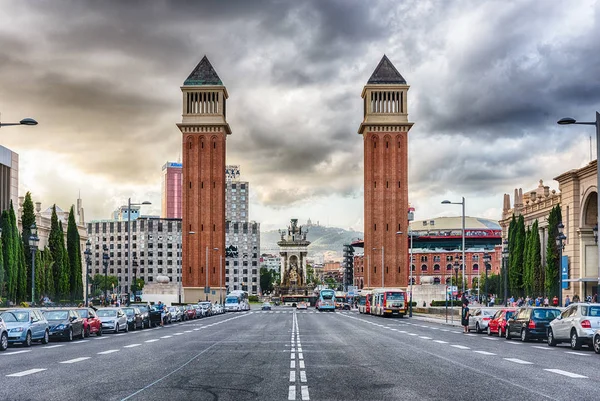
point(492, 300)
point(465, 318)
point(567, 301)
point(546, 302)
point(161, 309)
point(555, 301)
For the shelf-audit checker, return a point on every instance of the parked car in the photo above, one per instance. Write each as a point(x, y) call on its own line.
point(3, 336)
point(218, 309)
point(145, 312)
point(200, 312)
point(596, 342)
point(498, 322)
point(156, 315)
point(25, 326)
point(134, 318)
point(65, 324)
point(530, 323)
point(265, 306)
point(576, 324)
point(480, 318)
point(301, 305)
point(91, 323)
point(206, 308)
point(190, 310)
point(176, 315)
point(113, 319)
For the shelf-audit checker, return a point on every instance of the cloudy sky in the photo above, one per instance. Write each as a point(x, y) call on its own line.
point(489, 80)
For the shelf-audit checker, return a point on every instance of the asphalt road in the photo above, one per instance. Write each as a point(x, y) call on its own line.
point(298, 355)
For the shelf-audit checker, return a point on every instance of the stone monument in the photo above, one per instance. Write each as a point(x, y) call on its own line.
point(293, 248)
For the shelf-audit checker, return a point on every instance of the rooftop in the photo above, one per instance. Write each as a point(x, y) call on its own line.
point(203, 74)
point(386, 73)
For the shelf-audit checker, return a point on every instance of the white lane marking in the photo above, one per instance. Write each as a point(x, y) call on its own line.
point(305, 393)
point(101, 338)
point(132, 345)
point(188, 331)
point(565, 373)
point(513, 343)
point(16, 352)
point(151, 341)
point(53, 346)
point(411, 334)
point(425, 337)
point(444, 330)
point(166, 336)
point(471, 335)
point(425, 326)
point(292, 392)
point(385, 327)
point(300, 356)
point(83, 358)
point(299, 349)
point(301, 364)
point(81, 341)
point(490, 338)
point(292, 364)
point(440, 342)
point(196, 329)
point(540, 347)
point(394, 329)
point(459, 346)
point(122, 334)
point(402, 331)
point(456, 332)
point(25, 372)
point(293, 355)
point(303, 376)
point(519, 361)
point(177, 334)
point(110, 351)
point(484, 353)
point(292, 376)
point(576, 353)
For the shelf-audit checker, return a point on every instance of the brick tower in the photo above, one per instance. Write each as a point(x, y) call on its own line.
point(204, 128)
point(385, 139)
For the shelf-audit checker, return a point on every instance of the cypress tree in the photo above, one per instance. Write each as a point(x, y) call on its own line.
point(527, 268)
point(536, 256)
point(10, 255)
point(551, 280)
point(515, 274)
point(27, 219)
point(40, 275)
point(56, 244)
point(63, 287)
point(3, 274)
point(49, 273)
point(74, 253)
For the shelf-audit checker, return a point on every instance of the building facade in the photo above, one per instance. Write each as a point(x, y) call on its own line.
point(204, 130)
point(155, 250)
point(9, 178)
point(171, 194)
point(385, 141)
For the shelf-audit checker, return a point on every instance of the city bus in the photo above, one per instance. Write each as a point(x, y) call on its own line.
point(364, 301)
point(326, 300)
point(293, 300)
point(389, 302)
point(340, 300)
point(237, 301)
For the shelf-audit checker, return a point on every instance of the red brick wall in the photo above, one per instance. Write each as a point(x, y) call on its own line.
point(203, 207)
point(386, 207)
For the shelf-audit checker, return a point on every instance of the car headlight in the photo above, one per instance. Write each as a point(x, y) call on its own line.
point(109, 321)
point(17, 329)
point(60, 327)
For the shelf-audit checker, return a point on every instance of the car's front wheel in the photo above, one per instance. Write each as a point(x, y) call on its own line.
point(126, 328)
point(507, 333)
point(489, 331)
point(117, 328)
point(551, 339)
point(86, 332)
point(477, 329)
point(596, 343)
point(4, 342)
point(524, 336)
point(70, 335)
point(28, 339)
point(46, 338)
point(499, 331)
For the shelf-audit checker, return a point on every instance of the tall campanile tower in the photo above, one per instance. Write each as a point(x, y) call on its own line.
point(385, 139)
point(204, 127)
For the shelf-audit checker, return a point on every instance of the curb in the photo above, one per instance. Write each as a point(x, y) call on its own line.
point(437, 320)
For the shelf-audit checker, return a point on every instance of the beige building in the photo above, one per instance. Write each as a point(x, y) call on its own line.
point(578, 199)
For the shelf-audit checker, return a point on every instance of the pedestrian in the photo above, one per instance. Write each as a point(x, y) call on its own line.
point(555, 301)
point(567, 301)
point(546, 302)
point(576, 298)
point(595, 298)
point(465, 318)
point(537, 301)
point(161, 309)
point(492, 300)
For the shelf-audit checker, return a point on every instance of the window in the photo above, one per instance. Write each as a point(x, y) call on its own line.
point(448, 266)
point(475, 267)
point(436, 267)
point(424, 267)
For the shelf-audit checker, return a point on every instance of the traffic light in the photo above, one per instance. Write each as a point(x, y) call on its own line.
point(348, 266)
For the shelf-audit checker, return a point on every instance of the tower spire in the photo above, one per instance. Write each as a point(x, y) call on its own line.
point(203, 74)
point(386, 73)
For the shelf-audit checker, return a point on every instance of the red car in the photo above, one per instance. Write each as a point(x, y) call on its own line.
point(190, 310)
point(498, 322)
point(91, 323)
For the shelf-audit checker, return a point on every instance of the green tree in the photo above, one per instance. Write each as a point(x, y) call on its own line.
point(330, 283)
point(27, 220)
point(266, 280)
point(536, 262)
point(552, 271)
point(48, 263)
point(515, 272)
point(56, 244)
point(527, 264)
point(74, 254)
point(100, 283)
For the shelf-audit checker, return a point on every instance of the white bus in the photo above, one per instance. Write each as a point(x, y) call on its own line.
point(237, 301)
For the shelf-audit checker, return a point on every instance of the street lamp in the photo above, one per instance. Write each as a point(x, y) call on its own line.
point(105, 258)
point(487, 258)
point(33, 245)
point(382, 263)
point(447, 202)
point(88, 264)
point(129, 204)
point(505, 265)
point(25, 121)
point(134, 286)
point(567, 121)
point(220, 275)
point(560, 243)
point(410, 306)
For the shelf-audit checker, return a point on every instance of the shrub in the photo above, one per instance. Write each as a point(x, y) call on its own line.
point(253, 298)
point(443, 303)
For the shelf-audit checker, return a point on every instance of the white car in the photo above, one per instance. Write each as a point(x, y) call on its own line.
point(480, 318)
point(3, 336)
point(113, 319)
point(596, 342)
point(576, 324)
point(301, 305)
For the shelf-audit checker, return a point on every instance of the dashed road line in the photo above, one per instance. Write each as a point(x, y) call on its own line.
point(565, 373)
point(576, 353)
point(110, 351)
point(16, 352)
point(25, 372)
point(292, 392)
point(132, 345)
point(166, 336)
point(305, 395)
point(484, 353)
point(301, 364)
point(151, 341)
point(83, 358)
point(53, 346)
point(303, 376)
point(540, 347)
point(459, 346)
point(292, 376)
point(519, 361)
point(440, 342)
point(425, 337)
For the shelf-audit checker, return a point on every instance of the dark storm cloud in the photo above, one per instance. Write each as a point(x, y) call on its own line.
point(104, 77)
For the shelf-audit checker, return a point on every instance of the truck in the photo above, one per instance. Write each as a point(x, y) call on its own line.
point(237, 301)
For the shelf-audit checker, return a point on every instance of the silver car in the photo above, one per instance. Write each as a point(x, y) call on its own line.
point(3, 336)
point(576, 324)
point(596, 341)
point(480, 318)
point(113, 319)
point(176, 315)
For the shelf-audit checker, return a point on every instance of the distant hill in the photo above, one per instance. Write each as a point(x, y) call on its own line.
point(322, 239)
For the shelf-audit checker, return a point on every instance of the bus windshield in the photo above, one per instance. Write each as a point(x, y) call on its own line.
point(394, 296)
point(327, 294)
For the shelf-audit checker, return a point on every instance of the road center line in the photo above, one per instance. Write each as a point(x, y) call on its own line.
point(132, 345)
point(110, 351)
point(519, 361)
point(54, 346)
point(16, 352)
point(576, 353)
point(484, 353)
point(459, 346)
point(151, 341)
point(83, 358)
point(565, 373)
point(25, 373)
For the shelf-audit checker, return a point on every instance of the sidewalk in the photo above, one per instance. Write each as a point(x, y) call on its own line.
point(439, 319)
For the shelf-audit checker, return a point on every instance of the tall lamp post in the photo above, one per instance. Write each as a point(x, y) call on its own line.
point(560, 243)
point(567, 121)
point(382, 263)
point(105, 258)
point(129, 204)
point(134, 287)
point(486, 261)
point(88, 264)
point(220, 276)
point(33, 245)
point(410, 306)
point(505, 264)
point(447, 202)
point(25, 121)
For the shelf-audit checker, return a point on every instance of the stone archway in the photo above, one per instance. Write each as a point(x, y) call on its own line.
point(589, 215)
